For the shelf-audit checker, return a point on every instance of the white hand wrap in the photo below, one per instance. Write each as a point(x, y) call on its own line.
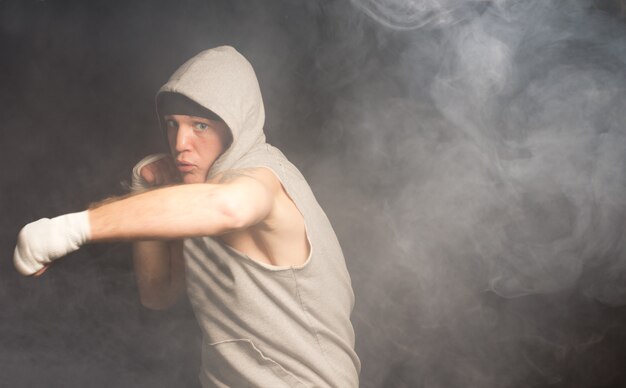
point(138, 183)
point(42, 241)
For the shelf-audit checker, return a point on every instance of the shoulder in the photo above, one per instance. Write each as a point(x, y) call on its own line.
point(246, 176)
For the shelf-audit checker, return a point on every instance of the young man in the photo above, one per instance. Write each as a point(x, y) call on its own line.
point(262, 266)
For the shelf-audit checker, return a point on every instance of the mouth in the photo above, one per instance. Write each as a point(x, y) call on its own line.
point(184, 166)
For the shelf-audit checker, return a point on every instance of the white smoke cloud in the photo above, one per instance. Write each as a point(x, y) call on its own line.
point(485, 159)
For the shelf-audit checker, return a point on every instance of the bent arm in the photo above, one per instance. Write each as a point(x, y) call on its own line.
point(159, 271)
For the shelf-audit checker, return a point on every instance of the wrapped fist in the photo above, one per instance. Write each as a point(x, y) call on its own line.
point(45, 240)
point(153, 171)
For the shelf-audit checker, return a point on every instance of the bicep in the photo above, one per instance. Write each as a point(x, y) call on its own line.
point(249, 195)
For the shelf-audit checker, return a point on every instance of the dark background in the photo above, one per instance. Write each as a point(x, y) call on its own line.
point(352, 103)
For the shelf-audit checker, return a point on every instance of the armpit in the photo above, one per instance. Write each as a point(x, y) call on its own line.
point(230, 175)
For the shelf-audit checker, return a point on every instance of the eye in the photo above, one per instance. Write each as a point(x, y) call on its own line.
point(201, 126)
point(171, 124)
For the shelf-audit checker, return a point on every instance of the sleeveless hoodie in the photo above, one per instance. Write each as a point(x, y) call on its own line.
point(263, 325)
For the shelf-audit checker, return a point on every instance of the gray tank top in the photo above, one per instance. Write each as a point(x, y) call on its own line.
point(267, 326)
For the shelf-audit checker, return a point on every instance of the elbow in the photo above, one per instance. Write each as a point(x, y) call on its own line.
point(158, 298)
point(232, 213)
point(239, 209)
point(157, 304)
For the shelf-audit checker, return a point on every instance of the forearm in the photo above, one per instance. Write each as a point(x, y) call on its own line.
point(169, 213)
point(159, 270)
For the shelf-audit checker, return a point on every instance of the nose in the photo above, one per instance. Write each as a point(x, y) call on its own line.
point(182, 138)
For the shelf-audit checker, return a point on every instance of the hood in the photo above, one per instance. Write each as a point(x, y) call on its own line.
point(223, 81)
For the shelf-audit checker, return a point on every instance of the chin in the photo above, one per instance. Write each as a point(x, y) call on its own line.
point(187, 179)
point(193, 178)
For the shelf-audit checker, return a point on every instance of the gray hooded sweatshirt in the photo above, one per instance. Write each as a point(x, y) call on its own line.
point(264, 326)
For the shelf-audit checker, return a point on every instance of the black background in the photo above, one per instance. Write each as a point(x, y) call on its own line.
point(77, 83)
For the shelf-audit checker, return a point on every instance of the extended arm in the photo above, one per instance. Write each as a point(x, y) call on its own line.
point(183, 211)
point(164, 214)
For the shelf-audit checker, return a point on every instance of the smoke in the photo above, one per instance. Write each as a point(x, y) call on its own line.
point(536, 120)
point(470, 155)
point(485, 159)
point(414, 14)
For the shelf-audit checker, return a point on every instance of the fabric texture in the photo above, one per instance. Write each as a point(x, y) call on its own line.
point(264, 326)
point(47, 239)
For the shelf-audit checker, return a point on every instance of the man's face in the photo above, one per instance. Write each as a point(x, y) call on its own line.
point(196, 143)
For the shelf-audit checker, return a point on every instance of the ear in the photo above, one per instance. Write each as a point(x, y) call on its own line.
point(226, 136)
